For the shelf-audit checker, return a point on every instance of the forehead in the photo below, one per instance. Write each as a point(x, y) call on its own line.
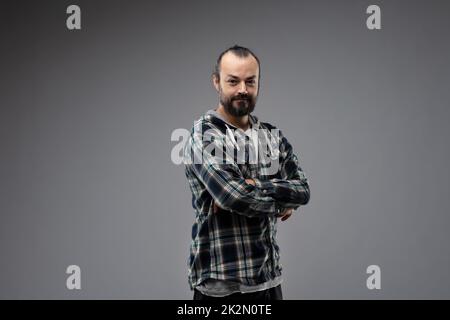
point(238, 66)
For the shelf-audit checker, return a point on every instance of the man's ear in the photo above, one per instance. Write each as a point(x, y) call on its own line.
point(216, 82)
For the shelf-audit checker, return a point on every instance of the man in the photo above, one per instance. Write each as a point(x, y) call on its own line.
point(237, 201)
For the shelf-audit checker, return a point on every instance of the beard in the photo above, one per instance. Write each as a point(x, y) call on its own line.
point(238, 106)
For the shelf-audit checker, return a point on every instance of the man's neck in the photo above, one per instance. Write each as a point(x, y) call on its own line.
point(239, 122)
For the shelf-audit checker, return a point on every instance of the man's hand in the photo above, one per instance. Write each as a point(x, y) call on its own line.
point(216, 207)
point(250, 181)
point(285, 214)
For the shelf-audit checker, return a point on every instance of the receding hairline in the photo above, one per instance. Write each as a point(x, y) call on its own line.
point(231, 53)
point(237, 51)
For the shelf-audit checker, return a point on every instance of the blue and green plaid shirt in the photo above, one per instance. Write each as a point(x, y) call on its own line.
point(238, 243)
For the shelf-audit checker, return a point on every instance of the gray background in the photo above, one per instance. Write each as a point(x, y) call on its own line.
point(86, 119)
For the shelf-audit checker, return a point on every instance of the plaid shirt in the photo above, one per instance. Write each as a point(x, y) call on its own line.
point(238, 243)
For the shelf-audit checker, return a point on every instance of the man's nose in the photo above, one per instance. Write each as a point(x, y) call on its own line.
point(243, 88)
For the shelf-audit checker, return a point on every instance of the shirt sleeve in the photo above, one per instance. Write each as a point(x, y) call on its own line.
point(224, 180)
point(293, 189)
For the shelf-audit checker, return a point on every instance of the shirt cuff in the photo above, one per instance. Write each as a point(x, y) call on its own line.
point(266, 186)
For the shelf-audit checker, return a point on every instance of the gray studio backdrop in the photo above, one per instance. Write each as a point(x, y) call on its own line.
point(86, 119)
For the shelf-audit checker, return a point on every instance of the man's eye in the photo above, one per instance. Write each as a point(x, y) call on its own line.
point(251, 82)
point(232, 81)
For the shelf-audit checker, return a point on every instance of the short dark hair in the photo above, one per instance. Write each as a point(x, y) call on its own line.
point(239, 51)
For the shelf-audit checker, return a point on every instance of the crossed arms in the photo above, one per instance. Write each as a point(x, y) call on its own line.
point(251, 197)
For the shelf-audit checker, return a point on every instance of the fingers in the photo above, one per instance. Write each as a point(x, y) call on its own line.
point(286, 214)
point(285, 211)
point(250, 181)
point(215, 207)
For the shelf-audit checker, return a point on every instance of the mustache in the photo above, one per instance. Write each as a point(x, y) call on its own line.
point(241, 97)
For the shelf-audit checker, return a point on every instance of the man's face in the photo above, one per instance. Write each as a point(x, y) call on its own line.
point(238, 84)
